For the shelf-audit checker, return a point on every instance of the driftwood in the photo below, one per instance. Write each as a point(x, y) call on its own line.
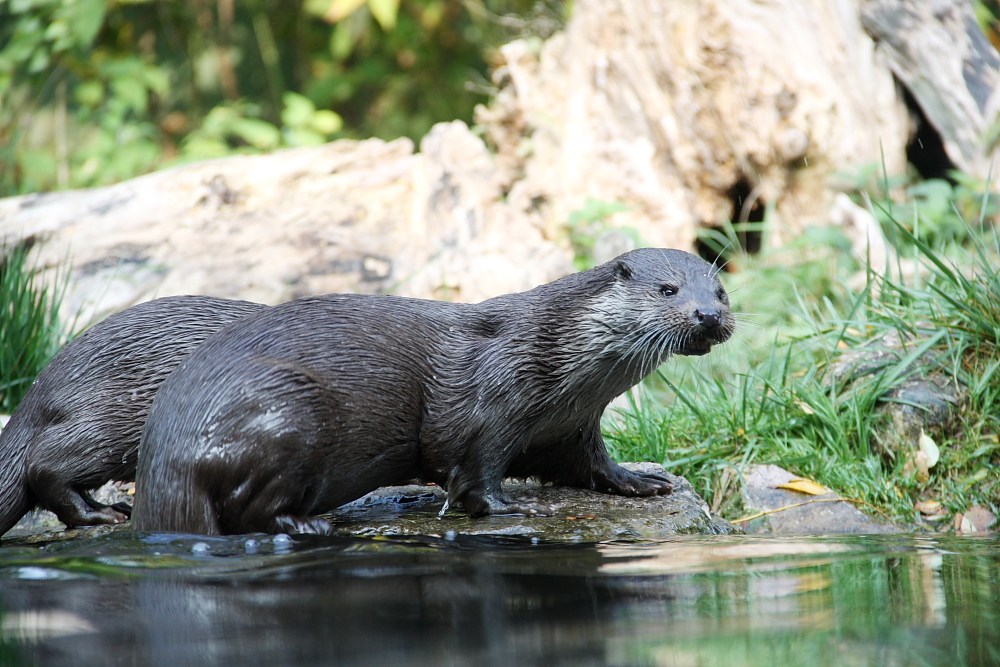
point(937, 50)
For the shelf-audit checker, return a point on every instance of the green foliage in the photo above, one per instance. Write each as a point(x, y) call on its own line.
point(29, 326)
point(939, 211)
point(95, 91)
point(784, 403)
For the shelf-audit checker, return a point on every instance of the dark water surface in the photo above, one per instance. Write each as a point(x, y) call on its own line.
point(136, 599)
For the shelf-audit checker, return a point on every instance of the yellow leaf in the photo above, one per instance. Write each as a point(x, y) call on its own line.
point(804, 407)
point(803, 486)
point(842, 345)
point(384, 12)
point(341, 9)
point(927, 506)
point(929, 447)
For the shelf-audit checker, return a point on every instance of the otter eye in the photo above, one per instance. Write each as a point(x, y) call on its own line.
point(668, 290)
point(721, 294)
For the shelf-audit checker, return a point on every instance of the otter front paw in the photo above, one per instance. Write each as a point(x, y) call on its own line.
point(624, 482)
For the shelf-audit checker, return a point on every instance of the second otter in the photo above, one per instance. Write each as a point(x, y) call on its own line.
point(313, 403)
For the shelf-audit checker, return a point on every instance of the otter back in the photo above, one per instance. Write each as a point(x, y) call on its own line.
point(313, 403)
point(79, 425)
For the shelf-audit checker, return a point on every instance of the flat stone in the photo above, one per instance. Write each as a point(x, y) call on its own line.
point(579, 515)
point(815, 518)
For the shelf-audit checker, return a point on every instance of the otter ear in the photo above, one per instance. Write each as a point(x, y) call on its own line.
point(623, 270)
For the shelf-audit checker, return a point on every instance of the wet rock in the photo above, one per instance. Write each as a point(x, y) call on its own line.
point(815, 518)
point(579, 515)
point(925, 399)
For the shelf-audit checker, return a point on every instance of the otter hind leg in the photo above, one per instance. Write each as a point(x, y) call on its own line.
point(73, 507)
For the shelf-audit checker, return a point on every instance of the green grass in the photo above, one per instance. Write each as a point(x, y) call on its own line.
point(29, 325)
point(776, 396)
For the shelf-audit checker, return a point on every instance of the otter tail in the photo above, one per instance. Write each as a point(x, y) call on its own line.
point(16, 498)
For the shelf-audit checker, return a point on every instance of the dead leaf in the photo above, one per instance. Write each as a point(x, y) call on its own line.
point(804, 407)
point(804, 486)
point(929, 447)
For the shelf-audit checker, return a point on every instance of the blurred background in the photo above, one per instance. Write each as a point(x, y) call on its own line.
point(97, 91)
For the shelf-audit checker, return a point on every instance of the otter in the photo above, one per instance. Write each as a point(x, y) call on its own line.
point(313, 403)
point(79, 424)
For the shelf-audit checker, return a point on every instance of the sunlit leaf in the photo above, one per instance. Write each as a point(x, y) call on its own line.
point(384, 12)
point(302, 137)
point(84, 19)
point(316, 7)
point(258, 133)
point(341, 9)
point(131, 92)
point(326, 122)
point(298, 110)
point(90, 93)
point(156, 79)
point(341, 41)
point(803, 486)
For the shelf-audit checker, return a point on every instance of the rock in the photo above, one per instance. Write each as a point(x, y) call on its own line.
point(921, 401)
point(977, 519)
point(349, 216)
point(817, 518)
point(580, 515)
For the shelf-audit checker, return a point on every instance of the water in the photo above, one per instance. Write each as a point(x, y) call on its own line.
point(126, 599)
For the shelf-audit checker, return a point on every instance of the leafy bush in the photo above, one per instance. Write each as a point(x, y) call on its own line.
point(95, 91)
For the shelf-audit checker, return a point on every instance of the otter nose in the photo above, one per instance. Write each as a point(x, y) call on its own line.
point(708, 317)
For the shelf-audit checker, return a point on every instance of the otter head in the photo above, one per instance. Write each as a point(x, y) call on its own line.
point(680, 303)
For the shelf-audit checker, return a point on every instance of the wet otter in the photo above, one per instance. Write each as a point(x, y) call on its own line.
point(315, 402)
point(79, 424)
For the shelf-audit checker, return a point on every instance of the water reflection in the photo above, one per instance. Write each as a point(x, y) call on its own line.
point(689, 601)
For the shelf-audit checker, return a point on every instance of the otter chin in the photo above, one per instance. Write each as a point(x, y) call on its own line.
point(313, 403)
